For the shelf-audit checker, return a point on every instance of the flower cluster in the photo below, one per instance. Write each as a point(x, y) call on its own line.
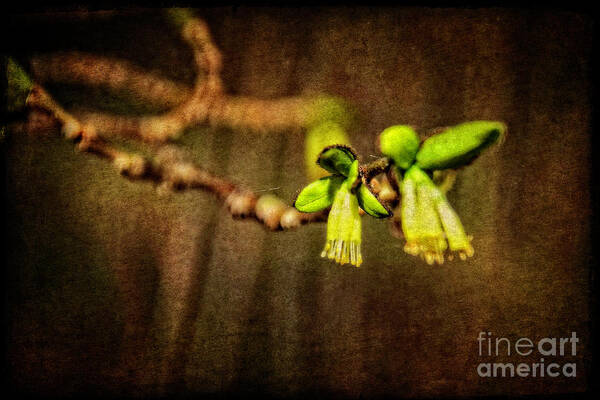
point(345, 192)
point(430, 225)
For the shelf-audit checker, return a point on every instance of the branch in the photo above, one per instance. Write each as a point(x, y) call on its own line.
point(170, 168)
point(240, 112)
point(111, 73)
point(204, 103)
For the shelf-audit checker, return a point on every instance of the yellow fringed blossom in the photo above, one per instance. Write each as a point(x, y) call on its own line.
point(429, 223)
point(344, 229)
point(345, 193)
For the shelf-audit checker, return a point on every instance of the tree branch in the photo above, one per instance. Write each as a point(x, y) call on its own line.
point(204, 103)
point(170, 168)
point(111, 73)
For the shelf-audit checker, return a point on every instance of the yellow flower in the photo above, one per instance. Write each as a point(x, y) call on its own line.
point(346, 194)
point(344, 229)
point(429, 223)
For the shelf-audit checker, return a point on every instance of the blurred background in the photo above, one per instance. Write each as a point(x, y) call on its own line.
point(112, 288)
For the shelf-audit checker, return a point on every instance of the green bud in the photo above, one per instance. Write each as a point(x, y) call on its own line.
point(400, 143)
point(338, 159)
point(325, 134)
point(319, 194)
point(18, 86)
point(459, 145)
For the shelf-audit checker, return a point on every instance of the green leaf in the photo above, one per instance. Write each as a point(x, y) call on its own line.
point(319, 194)
point(337, 159)
point(369, 202)
point(18, 86)
point(459, 145)
point(400, 143)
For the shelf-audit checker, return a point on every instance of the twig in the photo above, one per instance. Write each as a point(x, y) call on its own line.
point(171, 169)
point(111, 73)
point(204, 103)
point(277, 115)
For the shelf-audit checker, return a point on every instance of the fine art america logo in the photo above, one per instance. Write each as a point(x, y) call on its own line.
point(552, 348)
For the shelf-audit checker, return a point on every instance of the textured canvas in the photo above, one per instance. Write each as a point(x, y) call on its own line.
point(114, 286)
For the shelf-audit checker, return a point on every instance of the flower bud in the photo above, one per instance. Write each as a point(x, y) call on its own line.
point(457, 146)
point(400, 143)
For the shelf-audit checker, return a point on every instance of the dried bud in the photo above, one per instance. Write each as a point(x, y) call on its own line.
point(291, 218)
point(240, 204)
point(269, 209)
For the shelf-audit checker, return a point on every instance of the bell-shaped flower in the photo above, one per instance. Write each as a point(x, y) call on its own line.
point(345, 192)
point(429, 224)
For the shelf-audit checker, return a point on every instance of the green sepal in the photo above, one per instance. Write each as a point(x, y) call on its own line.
point(319, 194)
point(317, 138)
point(459, 145)
point(418, 176)
point(19, 85)
point(370, 204)
point(337, 159)
point(400, 143)
point(353, 173)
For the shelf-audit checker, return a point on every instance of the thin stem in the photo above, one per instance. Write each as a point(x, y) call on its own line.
point(169, 168)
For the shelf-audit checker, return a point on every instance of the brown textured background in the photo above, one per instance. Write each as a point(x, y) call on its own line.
point(113, 288)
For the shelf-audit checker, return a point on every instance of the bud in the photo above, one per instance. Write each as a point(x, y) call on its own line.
point(269, 209)
point(338, 159)
point(400, 143)
point(459, 145)
point(370, 203)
